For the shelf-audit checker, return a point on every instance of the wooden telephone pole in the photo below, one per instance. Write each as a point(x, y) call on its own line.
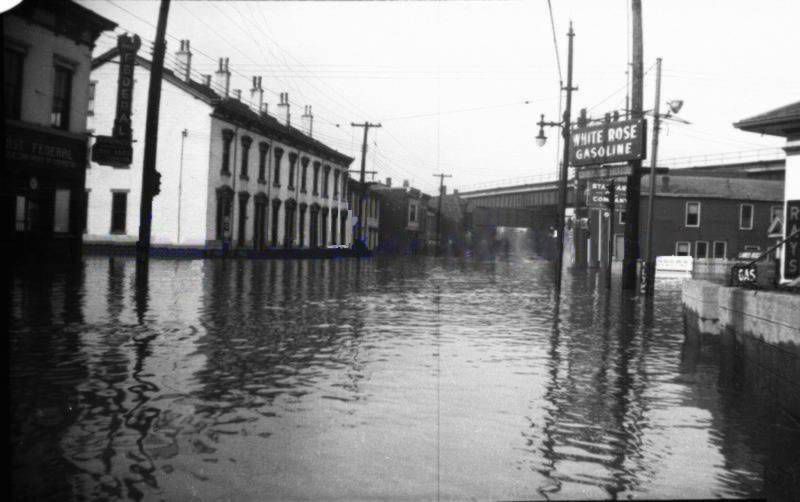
point(150, 177)
point(441, 177)
point(631, 256)
point(362, 181)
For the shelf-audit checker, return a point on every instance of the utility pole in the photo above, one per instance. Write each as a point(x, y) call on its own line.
point(631, 256)
point(150, 177)
point(650, 265)
point(441, 177)
point(366, 125)
point(610, 247)
point(562, 187)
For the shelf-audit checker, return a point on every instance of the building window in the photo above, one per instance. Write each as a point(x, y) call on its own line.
point(745, 217)
point(292, 162)
point(62, 92)
point(683, 249)
point(227, 140)
point(61, 211)
point(27, 214)
point(701, 249)
point(90, 103)
point(325, 181)
point(621, 217)
point(720, 249)
point(224, 210)
point(246, 142)
point(336, 184)
point(263, 149)
point(244, 197)
point(692, 217)
point(119, 211)
point(276, 179)
point(276, 207)
point(775, 212)
point(13, 63)
point(412, 213)
point(303, 173)
point(315, 187)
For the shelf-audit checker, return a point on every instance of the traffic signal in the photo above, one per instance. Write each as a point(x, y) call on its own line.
point(155, 183)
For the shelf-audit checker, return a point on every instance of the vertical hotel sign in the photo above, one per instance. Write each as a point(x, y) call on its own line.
point(116, 150)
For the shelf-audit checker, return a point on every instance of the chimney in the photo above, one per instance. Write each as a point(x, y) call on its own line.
point(223, 78)
point(183, 66)
point(308, 120)
point(284, 114)
point(264, 109)
point(389, 182)
point(207, 80)
point(237, 93)
point(257, 94)
point(405, 184)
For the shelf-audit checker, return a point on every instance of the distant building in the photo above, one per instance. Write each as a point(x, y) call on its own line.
point(372, 211)
point(47, 52)
point(699, 216)
point(404, 215)
point(232, 178)
point(785, 122)
point(453, 220)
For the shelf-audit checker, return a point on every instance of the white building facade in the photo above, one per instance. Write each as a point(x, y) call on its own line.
point(231, 178)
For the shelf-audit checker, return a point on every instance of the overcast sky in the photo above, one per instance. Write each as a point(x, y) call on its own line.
point(449, 80)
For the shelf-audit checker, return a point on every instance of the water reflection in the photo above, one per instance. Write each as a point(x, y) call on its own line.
point(387, 378)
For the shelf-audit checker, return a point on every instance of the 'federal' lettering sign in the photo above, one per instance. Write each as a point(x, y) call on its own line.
point(609, 142)
point(128, 47)
point(791, 255)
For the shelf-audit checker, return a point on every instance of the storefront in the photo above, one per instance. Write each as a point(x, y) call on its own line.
point(44, 192)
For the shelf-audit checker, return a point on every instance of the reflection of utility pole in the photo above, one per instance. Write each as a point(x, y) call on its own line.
point(631, 256)
point(360, 226)
point(149, 173)
point(441, 177)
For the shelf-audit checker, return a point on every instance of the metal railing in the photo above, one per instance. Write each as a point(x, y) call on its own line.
point(510, 182)
point(743, 156)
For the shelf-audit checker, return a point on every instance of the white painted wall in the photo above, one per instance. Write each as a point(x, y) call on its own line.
point(42, 47)
point(179, 111)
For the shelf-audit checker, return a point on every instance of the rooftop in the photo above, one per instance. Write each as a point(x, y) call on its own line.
point(782, 121)
point(672, 185)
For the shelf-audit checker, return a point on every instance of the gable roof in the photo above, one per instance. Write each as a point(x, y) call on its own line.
point(235, 111)
point(781, 121)
point(715, 187)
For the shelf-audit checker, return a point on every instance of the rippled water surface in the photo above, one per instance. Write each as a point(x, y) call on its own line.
point(405, 378)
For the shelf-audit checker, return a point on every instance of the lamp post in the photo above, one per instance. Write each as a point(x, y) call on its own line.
point(541, 139)
point(674, 106)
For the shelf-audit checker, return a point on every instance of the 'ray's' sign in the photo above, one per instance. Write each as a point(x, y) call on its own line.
point(609, 142)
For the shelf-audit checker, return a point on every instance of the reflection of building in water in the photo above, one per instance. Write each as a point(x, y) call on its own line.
point(47, 51)
point(232, 175)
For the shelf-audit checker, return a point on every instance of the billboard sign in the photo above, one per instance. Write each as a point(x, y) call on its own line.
point(609, 142)
point(599, 195)
point(111, 151)
point(128, 47)
point(791, 254)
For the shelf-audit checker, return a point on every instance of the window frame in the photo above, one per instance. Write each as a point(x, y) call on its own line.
point(725, 250)
point(21, 56)
point(752, 216)
point(697, 246)
point(688, 250)
point(66, 103)
point(114, 194)
point(686, 215)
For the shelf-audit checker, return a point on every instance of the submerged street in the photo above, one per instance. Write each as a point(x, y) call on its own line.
point(402, 378)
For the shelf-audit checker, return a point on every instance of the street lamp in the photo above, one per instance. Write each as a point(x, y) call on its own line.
point(541, 139)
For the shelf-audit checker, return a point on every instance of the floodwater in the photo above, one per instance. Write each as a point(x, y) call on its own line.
point(403, 378)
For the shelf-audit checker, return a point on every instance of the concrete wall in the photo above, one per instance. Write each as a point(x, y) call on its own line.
point(762, 326)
